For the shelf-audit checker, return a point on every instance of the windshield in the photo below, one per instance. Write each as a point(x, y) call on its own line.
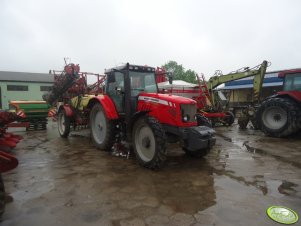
point(292, 82)
point(143, 81)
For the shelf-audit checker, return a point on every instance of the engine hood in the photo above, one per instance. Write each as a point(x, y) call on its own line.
point(168, 97)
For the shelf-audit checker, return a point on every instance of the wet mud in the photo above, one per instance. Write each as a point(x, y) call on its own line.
point(68, 182)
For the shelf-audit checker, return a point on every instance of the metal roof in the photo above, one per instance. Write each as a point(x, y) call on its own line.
point(247, 86)
point(25, 77)
point(270, 79)
point(177, 84)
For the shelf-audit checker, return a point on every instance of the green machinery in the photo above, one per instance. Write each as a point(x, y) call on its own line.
point(34, 113)
point(244, 114)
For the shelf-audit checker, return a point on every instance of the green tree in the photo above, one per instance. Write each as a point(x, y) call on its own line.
point(179, 72)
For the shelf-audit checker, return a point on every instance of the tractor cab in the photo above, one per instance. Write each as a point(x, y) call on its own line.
point(292, 80)
point(125, 83)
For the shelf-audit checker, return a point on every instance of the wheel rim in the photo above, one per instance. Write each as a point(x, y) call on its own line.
point(99, 126)
point(274, 118)
point(61, 123)
point(145, 143)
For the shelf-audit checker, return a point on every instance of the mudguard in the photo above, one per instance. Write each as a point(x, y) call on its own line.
point(68, 110)
point(135, 117)
point(107, 104)
point(295, 95)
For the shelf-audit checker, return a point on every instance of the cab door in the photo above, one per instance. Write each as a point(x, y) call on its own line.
point(115, 90)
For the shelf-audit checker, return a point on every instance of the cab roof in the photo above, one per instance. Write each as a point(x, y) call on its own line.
point(132, 67)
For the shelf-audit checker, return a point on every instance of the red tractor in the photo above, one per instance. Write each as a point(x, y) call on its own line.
point(130, 109)
point(280, 114)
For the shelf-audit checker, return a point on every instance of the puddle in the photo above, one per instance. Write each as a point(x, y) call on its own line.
point(268, 153)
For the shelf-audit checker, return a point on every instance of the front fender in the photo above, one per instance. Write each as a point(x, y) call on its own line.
point(68, 109)
point(135, 117)
point(107, 104)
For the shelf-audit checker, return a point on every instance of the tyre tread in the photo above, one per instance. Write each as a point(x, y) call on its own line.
point(292, 110)
point(160, 156)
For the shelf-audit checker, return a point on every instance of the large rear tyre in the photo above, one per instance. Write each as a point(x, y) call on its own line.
point(149, 142)
point(102, 129)
point(63, 123)
point(2, 196)
point(278, 117)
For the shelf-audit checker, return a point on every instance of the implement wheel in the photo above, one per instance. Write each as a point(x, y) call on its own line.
point(63, 123)
point(149, 142)
point(2, 196)
point(102, 129)
point(278, 117)
point(229, 119)
point(203, 121)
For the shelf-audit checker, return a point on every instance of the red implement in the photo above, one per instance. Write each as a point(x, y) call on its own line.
point(7, 162)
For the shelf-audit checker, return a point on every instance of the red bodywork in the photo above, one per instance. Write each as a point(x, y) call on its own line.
point(7, 162)
point(282, 74)
point(165, 108)
point(296, 95)
point(107, 104)
point(200, 92)
point(68, 109)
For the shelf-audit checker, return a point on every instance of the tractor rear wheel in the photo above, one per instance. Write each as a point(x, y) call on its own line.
point(63, 123)
point(102, 129)
point(2, 196)
point(149, 142)
point(278, 117)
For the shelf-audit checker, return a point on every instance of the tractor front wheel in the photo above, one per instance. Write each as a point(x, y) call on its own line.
point(102, 129)
point(63, 122)
point(149, 142)
point(278, 117)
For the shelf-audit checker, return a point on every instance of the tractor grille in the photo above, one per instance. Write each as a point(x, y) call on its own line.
point(188, 110)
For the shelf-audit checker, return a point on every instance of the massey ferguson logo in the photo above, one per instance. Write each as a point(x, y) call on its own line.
point(153, 100)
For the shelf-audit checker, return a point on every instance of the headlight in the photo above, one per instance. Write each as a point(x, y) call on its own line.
point(186, 118)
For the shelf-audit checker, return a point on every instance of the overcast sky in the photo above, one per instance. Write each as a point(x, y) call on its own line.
point(203, 35)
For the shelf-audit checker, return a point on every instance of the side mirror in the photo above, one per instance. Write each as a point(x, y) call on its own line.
point(170, 77)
